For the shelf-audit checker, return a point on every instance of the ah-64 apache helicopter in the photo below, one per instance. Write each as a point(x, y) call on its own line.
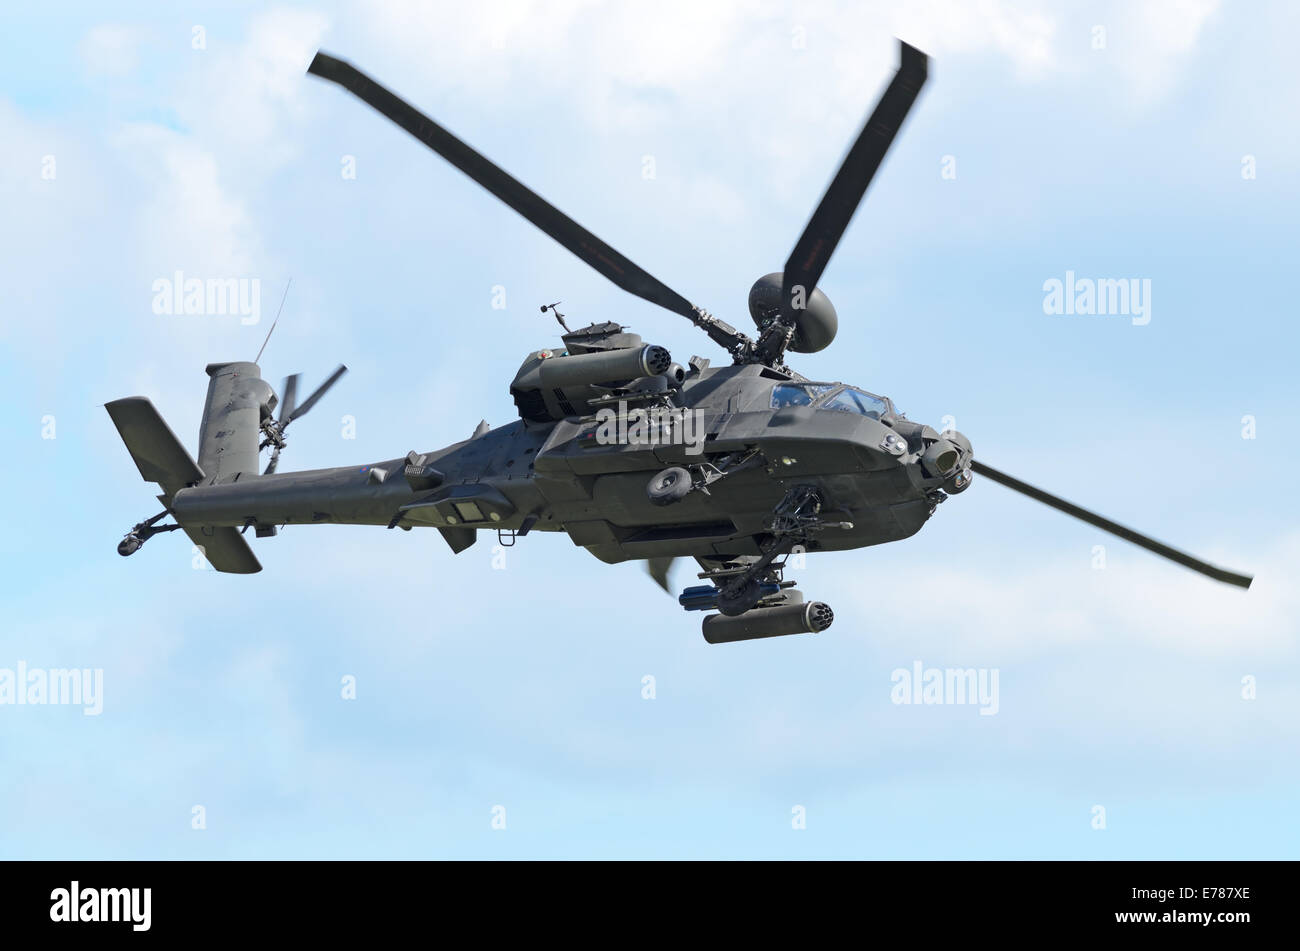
point(782, 463)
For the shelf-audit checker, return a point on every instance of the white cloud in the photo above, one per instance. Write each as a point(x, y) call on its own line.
point(191, 221)
point(1023, 605)
point(238, 110)
point(111, 49)
point(246, 101)
point(1022, 33)
point(1161, 37)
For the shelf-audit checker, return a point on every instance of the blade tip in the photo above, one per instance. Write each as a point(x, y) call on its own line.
point(321, 64)
point(1232, 578)
point(912, 59)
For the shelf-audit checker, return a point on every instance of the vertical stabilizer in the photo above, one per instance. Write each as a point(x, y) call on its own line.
point(238, 400)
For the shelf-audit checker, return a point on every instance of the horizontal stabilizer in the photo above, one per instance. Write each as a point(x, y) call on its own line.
point(224, 549)
point(158, 454)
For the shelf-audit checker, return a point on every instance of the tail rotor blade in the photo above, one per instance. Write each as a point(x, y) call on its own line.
point(813, 251)
point(312, 400)
point(289, 411)
point(1106, 525)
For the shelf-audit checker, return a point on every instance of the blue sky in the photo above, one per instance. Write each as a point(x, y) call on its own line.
point(481, 686)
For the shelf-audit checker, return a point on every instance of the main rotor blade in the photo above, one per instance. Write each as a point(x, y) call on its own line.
point(808, 260)
point(1105, 524)
point(320, 391)
point(290, 397)
point(518, 196)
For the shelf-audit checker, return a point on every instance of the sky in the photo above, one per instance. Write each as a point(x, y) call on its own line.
point(369, 694)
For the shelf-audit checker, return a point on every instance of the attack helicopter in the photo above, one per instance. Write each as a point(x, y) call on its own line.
point(630, 453)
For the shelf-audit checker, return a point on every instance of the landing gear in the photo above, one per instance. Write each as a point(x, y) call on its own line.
point(676, 482)
point(669, 486)
point(142, 532)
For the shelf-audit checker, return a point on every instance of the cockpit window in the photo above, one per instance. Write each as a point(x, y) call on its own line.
point(798, 394)
point(855, 401)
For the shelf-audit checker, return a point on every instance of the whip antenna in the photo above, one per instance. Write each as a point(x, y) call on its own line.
point(274, 322)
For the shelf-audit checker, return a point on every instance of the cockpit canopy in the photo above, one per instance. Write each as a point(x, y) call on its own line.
point(830, 396)
point(798, 394)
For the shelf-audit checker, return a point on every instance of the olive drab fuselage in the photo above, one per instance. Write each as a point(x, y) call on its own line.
point(628, 453)
point(562, 476)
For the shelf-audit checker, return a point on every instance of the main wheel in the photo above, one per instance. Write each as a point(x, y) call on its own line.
point(671, 485)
